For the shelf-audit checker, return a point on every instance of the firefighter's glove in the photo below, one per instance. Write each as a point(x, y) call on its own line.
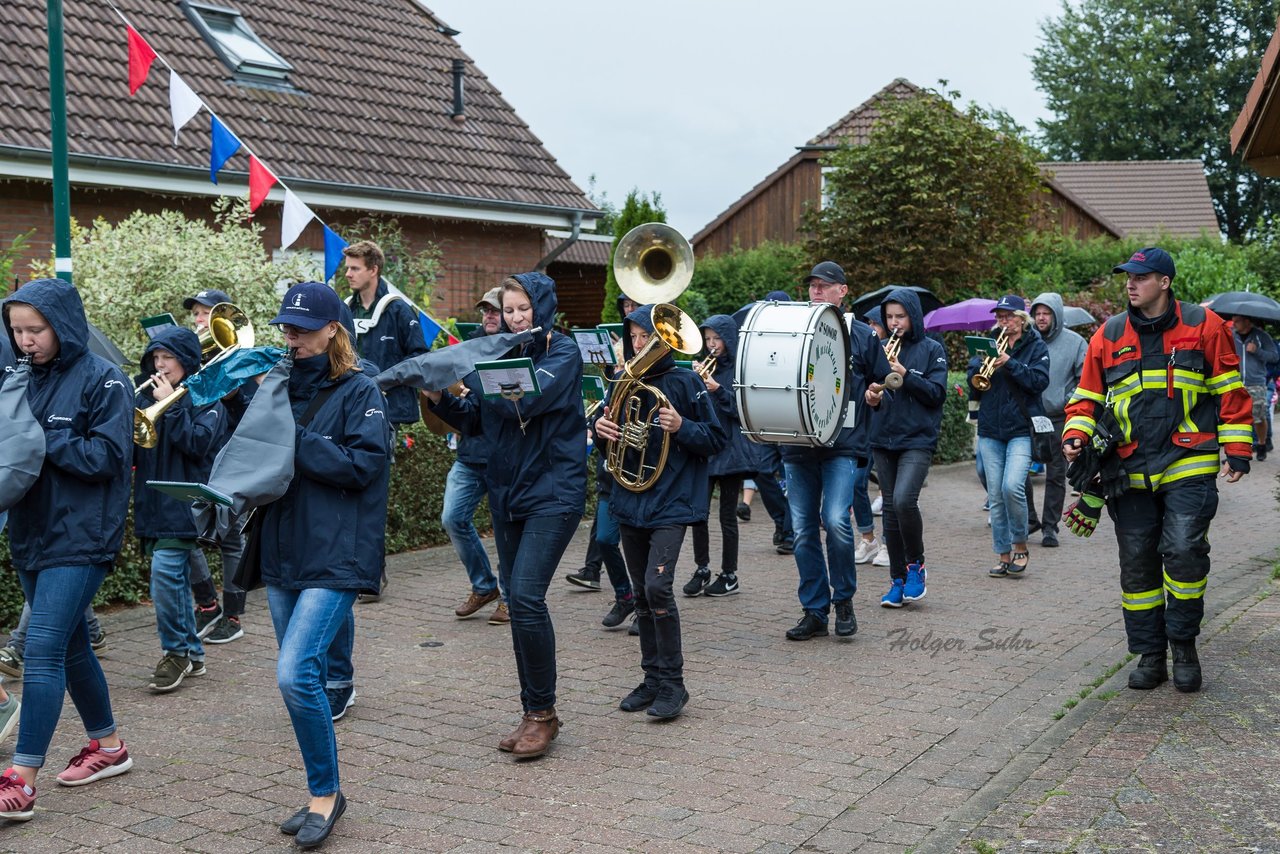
point(1082, 517)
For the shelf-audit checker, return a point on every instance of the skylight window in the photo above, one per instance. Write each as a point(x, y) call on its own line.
point(236, 43)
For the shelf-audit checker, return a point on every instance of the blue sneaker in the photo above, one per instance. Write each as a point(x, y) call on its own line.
point(914, 588)
point(893, 599)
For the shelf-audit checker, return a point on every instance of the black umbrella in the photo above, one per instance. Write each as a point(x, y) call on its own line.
point(866, 302)
point(1257, 306)
point(102, 345)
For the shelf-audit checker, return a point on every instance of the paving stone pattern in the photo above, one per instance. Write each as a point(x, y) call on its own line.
point(935, 723)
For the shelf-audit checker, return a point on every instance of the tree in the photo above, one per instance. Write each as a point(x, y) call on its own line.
point(639, 208)
point(605, 224)
point(928, 199)
point(1154, 80)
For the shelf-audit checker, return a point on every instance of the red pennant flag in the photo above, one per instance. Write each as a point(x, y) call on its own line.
point(260, 183)
point(140, 58)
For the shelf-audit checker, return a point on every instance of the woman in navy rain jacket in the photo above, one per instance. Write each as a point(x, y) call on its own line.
point(728, 468)
point(537, 483)
point(65, 533)
point(1004, 431)
point(322, 541)
point(653, 521)
point(904, 434)
point(187, 438)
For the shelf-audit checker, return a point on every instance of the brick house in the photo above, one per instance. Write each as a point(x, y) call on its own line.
point(1082, 199)
point(360, 106)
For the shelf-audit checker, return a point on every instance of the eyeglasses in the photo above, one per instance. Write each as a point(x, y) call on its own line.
point(290, 329)
point(488, 311)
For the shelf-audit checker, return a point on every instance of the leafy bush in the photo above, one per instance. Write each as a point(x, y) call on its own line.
point(722, 284)
point(414, 272)
point(955, 439)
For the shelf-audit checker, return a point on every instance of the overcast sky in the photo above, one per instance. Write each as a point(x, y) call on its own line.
point(701, 99)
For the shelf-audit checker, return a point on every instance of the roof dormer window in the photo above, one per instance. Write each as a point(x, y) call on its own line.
point(237, 44)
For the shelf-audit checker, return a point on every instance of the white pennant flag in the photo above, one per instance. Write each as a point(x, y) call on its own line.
point(295, 218)
point(183, 103)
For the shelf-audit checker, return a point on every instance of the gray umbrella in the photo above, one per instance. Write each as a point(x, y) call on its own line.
point(1257, 306)
point(102, 345)
point(1074, 315)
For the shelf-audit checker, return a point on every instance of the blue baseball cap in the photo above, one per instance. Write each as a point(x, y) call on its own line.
point(827, 271)
point(1152, 259)
point(208, 299)
point(309, 305)
point(1010, 302)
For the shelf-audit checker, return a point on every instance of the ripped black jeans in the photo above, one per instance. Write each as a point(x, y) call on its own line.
point(651, 555)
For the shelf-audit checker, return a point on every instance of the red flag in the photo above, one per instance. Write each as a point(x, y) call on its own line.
point(260, 182)
point(140, 58)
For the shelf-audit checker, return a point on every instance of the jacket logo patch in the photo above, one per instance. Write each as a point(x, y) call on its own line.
point(387, 338)
point(110, 383)
point(1124, 351)
point(53, 418)
point(369, 413)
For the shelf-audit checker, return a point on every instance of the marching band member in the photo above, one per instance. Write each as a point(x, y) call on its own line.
point(187, 438)
point(1004, 431)
point(537, 492)
point(653, 522)
point(728, 468)
point(904, 433)
point(322, 541)
point(65, 534)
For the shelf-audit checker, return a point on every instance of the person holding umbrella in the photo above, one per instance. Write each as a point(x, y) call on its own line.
point(1257, 354)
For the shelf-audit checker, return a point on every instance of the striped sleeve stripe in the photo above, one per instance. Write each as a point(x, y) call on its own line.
point(1084, 394)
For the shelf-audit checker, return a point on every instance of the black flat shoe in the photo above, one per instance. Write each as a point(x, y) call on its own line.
point(316, 828)
point(293, 823)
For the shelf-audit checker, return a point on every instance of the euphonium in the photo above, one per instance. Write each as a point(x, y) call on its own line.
point(982, 379)
point(893, 380)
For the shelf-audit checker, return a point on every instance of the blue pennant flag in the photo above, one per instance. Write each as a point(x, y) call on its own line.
point(225, 144)
point(333, 246)
point(430, 329)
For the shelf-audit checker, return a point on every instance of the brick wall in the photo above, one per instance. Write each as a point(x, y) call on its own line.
point(475, 255)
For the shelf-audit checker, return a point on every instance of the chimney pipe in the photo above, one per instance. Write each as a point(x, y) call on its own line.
point(459, 112)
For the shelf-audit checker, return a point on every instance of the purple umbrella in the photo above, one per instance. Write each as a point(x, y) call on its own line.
point(972, 314)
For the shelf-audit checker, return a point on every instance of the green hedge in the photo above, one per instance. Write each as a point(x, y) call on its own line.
point(955, 439)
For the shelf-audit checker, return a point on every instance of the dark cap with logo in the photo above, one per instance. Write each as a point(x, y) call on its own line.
point(208, 299)
point(827, 271)
point(1010, 302)
point(1153, 259)
point(310, 305)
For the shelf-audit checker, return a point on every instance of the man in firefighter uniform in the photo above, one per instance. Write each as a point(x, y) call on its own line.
point(1166, 377)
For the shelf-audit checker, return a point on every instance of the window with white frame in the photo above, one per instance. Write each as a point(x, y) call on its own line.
point(235, 42)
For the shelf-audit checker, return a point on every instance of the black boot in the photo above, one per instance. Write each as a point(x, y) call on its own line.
point(1150, 672)
point(1186, 666)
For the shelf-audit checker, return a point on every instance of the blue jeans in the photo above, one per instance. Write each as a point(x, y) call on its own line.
point(306, 622)
point(59, 659)
point(529, 550)
point(18, 637)
point(175, 608)
point(862, 515)
point(1006, 465)
point(822, 489)
point(339, 671)
point(608, 536)
point(464, 489)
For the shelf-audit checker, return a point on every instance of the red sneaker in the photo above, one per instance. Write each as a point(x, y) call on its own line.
point(94, 763)
point(15, 803)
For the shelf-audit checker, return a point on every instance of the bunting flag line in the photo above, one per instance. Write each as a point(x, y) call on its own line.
point(224, 145)
point(141, 56)
point(333, 246)
point(431, 329)
point(295, 217)
point(183, 103)
point(260, 182)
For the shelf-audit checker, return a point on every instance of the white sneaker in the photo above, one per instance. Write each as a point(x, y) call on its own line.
point(882, 557)
point(865, 550)
point(877, 506)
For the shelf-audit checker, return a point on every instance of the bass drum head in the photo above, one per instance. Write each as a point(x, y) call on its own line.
point(792, 373)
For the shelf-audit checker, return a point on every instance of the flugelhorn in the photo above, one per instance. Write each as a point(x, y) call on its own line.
point(982, 379)
point(228, 328)
point(893, 379)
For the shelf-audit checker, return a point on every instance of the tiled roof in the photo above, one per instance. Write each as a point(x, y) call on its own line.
point(372, 106)
point(588, 251)
point(1142, 197)
point(855, 127)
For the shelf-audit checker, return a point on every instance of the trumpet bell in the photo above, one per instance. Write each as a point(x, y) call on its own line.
point(653, 263)
point(980, 382)
point(228, 327)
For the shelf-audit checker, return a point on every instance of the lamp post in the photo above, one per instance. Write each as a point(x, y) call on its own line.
point(58, 132)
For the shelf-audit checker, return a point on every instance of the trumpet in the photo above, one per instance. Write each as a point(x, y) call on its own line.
point(893, 379)
point(706, 367)
point(982, 379)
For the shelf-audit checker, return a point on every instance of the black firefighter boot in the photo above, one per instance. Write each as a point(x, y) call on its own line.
point(1150, 671)
point(1186, 666)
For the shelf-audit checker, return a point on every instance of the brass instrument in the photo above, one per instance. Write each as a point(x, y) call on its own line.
point(653, 263)
point(982, 379)
point(145, 433)
point(228, 328)
point(706, 367)
point(893, 380)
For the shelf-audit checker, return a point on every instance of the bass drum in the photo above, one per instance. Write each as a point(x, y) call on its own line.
point(792, 373)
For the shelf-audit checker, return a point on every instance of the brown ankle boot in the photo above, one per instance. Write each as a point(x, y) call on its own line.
point(540, 729)
point(509, 743)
